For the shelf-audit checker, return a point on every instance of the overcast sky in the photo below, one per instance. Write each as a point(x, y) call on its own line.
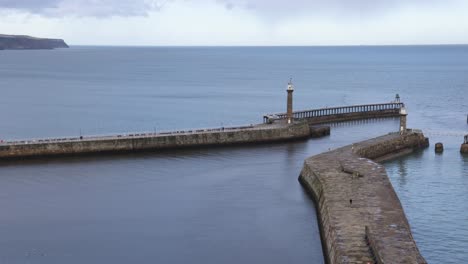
point(239, 22)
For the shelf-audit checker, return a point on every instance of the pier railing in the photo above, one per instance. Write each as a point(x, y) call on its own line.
point(121, 136)
point(334, 111)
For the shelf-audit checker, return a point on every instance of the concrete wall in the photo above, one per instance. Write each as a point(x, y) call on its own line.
point(256, 134)
point(353, 195)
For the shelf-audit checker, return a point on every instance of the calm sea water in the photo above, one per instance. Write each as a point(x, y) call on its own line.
point(223, 205)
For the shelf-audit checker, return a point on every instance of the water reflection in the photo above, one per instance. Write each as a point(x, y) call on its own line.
point(429, 186)
point(402, 171)
point(464, 164)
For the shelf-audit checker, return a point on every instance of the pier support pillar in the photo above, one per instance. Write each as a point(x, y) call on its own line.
point(289, 109)
point(464, 146)
point(439, 147)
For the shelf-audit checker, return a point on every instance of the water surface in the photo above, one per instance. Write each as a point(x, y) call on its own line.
point(227, 205)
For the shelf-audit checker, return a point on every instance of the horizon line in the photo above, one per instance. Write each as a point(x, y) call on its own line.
point(264, 46)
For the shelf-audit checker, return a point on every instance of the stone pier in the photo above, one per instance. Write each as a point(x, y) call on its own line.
point(262, 133)
point(361, 218)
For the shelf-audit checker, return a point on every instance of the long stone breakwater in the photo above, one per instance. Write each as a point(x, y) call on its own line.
point(274, 129)
point(361, 218)
point(158, 141)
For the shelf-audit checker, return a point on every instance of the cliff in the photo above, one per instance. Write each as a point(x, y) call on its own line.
point(27, 42)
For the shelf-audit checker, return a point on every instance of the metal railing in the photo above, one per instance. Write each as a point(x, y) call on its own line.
point(336, 111)
point(121, 136)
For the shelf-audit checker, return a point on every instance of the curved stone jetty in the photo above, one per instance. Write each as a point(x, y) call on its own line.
point(361, 218)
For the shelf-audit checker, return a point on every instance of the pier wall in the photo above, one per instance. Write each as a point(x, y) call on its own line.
point(361, 218)
point(197, 138)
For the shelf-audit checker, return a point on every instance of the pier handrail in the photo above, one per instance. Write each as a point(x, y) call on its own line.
point(328, 111)
point(120, 136)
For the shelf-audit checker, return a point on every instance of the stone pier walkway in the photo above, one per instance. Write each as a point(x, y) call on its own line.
point(362, 220)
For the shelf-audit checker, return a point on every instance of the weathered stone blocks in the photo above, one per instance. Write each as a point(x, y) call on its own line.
point(182, 139)
point(335, 178)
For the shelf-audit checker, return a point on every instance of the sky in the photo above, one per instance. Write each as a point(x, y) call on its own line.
point(239, 22)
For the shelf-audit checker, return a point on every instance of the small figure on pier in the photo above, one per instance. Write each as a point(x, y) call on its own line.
point(289, 111)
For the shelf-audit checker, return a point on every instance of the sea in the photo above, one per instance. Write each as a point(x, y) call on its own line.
point(220, 205)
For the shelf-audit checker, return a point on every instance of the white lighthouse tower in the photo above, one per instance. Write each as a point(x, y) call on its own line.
point(289, 110)
point(403, 114)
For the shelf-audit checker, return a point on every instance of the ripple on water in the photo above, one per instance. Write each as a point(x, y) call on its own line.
point(433, 191)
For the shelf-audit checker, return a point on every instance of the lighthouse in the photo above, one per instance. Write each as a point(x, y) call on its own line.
point(403, 114)
point(289, 110)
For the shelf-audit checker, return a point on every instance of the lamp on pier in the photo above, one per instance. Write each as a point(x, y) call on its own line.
point(289, 112)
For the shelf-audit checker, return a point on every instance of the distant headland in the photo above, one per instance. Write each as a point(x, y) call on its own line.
point(17, 42)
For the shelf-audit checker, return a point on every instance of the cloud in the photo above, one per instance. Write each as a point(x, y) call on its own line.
point(28, 4)
point(90, 8)
point(345, 8)
point(239, 22)
point(268, 8)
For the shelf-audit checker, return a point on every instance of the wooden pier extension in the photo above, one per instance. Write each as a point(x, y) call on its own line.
point(340, 114)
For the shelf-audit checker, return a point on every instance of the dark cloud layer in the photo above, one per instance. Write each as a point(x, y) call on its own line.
point(30, 5)
point(104, 8)
point(96, 8)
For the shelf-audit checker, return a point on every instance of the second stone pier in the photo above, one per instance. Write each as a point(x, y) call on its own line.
point(361, 217)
